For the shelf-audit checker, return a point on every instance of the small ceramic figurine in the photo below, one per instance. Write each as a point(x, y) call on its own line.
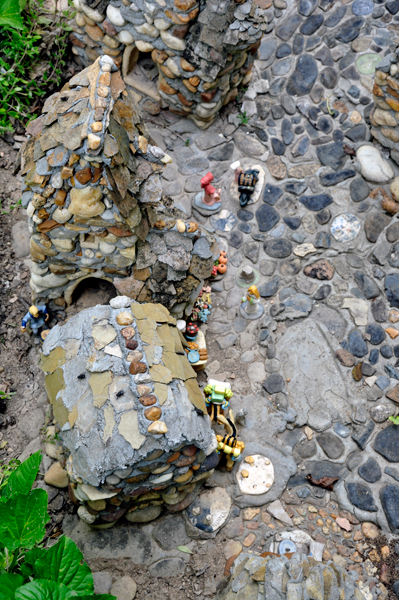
point(191, 332)
point(208, 202)
point(251, 307)
point(217, 397)
point(246, 181)
point(202, 306)
point(36, 317)
point(220, 266)
point(229, 443)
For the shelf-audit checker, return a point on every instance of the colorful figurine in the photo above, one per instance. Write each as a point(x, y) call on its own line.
point(217, 397)
point(191, 332)
point(208, 202)
point(202, 306)
point(220, 266)
point(36, 317)
point(246, 181)
point(251, 307)
point(229, 444)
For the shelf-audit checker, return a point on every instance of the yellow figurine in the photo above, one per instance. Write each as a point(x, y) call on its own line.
point(229, 444)
point(251, 307)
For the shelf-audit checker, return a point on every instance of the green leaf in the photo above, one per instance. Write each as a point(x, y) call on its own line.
point(22, 520)
point(62, 563)
point(21, 480)
point(8, 584)
point(10, 14)
point(28, 566)
point(43, 20)
point(184, 549)
point(43, 590)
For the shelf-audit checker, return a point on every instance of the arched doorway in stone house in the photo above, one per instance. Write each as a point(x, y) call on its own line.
point(88, 292)
point(140, 72)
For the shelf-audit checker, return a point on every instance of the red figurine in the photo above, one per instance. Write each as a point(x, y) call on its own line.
point(208, 202)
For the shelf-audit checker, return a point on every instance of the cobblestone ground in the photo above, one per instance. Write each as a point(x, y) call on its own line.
point(316, 378)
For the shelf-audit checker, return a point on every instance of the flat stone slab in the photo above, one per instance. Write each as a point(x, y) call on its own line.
point(315, 380)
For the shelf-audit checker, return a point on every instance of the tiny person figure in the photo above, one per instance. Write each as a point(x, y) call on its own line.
point(37, 316)
point(246, 181)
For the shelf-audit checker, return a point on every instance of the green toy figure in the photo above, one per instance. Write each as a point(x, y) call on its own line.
point(217, 396)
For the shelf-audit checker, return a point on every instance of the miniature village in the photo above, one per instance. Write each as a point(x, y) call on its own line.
point(206, 252)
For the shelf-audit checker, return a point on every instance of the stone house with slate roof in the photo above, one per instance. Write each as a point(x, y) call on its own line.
point(191, 56)
point(92, 189)
point(133, 422)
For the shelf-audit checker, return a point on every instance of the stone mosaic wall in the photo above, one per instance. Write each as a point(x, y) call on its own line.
point(92, 188)
point(132, 419)
point(289, 577)
point(204, 50)
point(385, 116)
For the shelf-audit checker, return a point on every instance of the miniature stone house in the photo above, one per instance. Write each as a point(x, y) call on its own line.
point(385, 115)
point(133, 423)
point(92, 188)
point(201, 51)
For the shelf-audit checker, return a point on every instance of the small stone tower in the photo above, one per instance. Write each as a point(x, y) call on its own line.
point(197, 52)
point(92, 188)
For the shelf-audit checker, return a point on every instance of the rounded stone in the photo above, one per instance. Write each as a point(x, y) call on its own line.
point(124, 588)
point(148, 400)
point(370, 471)
point(144, 515)
point(129, 332)
point(345, 227)
point(157, 427)
point(153, 413)
point(279, 248)
point(56, 476)
point(124, 318)
point(362, 8)
point(376, 333)
point(373, 166)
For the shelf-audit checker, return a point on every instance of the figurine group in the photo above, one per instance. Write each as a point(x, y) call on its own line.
point(209, 202)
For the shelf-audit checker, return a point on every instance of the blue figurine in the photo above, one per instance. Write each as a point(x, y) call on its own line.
point(37, 316)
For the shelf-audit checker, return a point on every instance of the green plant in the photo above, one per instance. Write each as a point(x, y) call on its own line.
point(243, 118)
point(23, 53)
point(12, 206)
point(28, 570)
point(394, 420)
point(6, 470)
point(6, 395)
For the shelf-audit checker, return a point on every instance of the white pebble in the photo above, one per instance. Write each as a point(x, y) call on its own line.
point(115, 16)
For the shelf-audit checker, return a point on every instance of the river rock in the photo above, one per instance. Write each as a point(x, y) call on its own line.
point(387, 443)
point(304, 76)
point(373, 166)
